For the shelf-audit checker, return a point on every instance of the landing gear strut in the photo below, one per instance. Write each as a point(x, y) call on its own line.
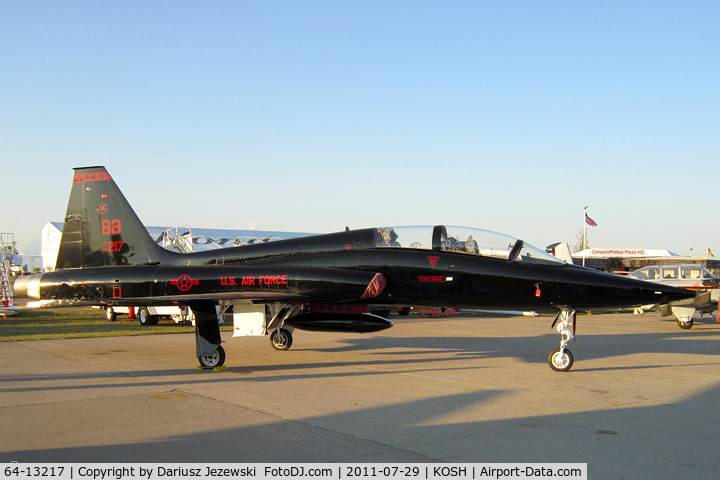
point(561, 359)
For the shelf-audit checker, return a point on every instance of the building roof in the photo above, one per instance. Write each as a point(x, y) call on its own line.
point(623, 253)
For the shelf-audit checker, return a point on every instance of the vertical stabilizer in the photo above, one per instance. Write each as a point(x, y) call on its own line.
point(561, 250)
point(101, 229)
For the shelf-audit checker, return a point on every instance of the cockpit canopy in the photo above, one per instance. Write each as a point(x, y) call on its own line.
point(473, 241)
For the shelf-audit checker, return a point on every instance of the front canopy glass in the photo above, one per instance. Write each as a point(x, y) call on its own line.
point(473, 241)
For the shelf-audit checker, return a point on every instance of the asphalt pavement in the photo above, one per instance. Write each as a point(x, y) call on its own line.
point(640, 402)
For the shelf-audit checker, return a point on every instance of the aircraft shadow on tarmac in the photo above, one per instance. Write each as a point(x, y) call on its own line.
point(587, 347)
point(672, 440)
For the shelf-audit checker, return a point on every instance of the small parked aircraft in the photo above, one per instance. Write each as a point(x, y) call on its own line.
point(322, 282)
point(691, 277)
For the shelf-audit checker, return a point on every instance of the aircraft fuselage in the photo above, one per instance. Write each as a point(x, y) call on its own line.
point(340, 266)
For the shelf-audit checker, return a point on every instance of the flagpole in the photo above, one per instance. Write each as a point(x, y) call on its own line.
point(584, 233)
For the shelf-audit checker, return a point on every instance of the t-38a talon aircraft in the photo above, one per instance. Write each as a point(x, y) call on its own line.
point(323, 282)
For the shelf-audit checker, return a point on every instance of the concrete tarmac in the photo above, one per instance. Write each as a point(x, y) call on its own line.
point(641, 401)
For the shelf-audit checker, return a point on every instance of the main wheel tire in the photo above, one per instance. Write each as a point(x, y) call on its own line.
point(560, 362)
point(685, 325)
point(214, 360)
point(110, 314)
point(145, 318)
point(281, 339)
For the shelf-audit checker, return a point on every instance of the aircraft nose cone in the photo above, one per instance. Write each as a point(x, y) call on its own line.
point(652, 292)
point(672, 294)
point(594, 289)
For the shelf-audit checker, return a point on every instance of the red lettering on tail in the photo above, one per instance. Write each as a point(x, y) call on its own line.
point(91, 177)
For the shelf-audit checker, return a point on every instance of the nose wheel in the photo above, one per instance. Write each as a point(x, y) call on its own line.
point(560, 359)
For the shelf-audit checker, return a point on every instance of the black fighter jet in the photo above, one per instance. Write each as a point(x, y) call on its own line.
point(322, 282)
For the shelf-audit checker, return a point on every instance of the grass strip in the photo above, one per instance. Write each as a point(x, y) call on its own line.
point(80, 322)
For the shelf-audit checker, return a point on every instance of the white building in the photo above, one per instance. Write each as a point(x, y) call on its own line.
point(623, 253)
point(41, 254)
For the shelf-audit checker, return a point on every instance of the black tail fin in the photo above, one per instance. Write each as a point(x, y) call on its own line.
point(101, 229)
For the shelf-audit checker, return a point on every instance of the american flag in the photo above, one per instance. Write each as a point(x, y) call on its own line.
point(590, 221)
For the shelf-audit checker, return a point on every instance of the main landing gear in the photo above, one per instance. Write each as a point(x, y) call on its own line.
point(212, 360)
point(281, 339)
point(210, 353)
point(561, 359)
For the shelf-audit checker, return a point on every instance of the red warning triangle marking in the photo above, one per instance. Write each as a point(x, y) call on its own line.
point(433, 260)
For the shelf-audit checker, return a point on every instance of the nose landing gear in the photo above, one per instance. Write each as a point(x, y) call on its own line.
point(561, 359)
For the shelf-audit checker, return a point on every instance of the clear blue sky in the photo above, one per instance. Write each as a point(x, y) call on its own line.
point(310, 116)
